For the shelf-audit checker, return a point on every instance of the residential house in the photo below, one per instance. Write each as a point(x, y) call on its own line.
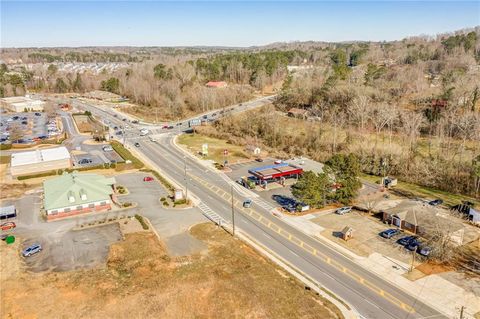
point(424, 220)
point(74, 193)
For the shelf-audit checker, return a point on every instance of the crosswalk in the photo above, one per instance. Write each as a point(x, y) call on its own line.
point(210, 214)
point(264, 204)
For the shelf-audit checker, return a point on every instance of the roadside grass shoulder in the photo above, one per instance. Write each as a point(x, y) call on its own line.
point(126, 154)
point(216, 148)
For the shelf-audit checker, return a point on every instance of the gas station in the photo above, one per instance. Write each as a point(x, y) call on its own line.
point(275, 173)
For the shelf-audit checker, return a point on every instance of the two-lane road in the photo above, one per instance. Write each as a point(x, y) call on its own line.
point(372, 296)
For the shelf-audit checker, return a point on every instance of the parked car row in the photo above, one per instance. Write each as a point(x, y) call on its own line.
point(411, 242)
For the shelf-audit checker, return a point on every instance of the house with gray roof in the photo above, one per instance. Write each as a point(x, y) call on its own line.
point(74, 193)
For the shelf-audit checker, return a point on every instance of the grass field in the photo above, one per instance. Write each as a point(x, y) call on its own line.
point(216, 147)
point(140, 280)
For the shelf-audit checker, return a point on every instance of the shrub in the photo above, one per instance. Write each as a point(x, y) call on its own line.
point(180, 202)
point(141, 221)
point(163, 199)
point(127, 204)
point(4, 147)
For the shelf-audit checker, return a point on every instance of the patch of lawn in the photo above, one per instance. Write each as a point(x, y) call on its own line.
point(216, 148)
point(413, 190)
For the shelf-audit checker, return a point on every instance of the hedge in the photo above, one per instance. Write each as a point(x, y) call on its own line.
point(4, 147)
point(125, 154)
point(141, 221)
point(49, 173)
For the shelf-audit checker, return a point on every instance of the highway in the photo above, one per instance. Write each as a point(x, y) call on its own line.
point(370, 295)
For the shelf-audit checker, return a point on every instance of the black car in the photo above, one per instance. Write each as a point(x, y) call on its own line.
point(406, 240)
point(259, 160)
point(137, 144)
point(170, 127)
point(124, 120)
point(413, 245)
point(135, 121)
point(214, 114)
point(180, 123)
point(24, 122)
point(37, 114)
point(84, 161)
point(115, 128)
point(436, 202)
point(15, 118)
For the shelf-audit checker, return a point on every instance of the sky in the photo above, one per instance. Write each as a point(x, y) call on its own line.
point(224, 23)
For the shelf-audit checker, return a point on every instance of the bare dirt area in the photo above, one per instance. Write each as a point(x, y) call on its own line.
point(140, 280)
point(15, 190)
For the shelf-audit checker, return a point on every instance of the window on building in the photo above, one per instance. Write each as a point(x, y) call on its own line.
point(103, 203)
point(54, 212)
point(66, 210)
point(91, 205)
point(79, 207)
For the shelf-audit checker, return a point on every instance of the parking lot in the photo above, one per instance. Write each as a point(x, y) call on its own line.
point(29, 126)
point(94, 154)
point(72, 250)
point(275, 194)
point(366, 239)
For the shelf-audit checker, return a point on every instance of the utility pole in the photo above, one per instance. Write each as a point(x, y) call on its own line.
point(186, 177)
point(413, 261)
point(233, 211)
point(461, 312)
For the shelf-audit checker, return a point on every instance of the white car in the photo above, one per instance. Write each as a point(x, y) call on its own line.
point(107, 148)
point(143, 132)
point(278, 161)
point(343, 210)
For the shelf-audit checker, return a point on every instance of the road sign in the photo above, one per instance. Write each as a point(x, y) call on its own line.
point(195, 122)
point(205, 149)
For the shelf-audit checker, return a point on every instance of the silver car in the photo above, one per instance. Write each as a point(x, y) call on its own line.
point(343, 210)
point(31, 250)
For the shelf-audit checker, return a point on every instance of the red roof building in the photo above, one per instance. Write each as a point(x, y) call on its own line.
point(216, 84)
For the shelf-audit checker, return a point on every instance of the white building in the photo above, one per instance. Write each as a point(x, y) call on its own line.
point(38, 161)
point(21, 103)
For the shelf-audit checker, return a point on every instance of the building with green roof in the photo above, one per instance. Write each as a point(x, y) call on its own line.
point(74, 193)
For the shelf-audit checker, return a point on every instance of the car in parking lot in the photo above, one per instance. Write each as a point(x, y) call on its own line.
point(170, 127)
point(38, 114)
point(84, 161)
point(259, 159)
point(165, 126)
point(148, 179)
point(205, 116)
point(278, 161)
point(389, 233)
point(31, 250)
point(247, 203)
point(343, 210)
point(413, 244)
point(214, 114)
point(436, 202)
point(424, 250)
point(7, 226)
point(404, 241)
point(137, 144)
point(107, 148)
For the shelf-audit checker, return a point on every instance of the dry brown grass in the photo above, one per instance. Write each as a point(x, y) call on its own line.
point(15, 190)
point(141, 281)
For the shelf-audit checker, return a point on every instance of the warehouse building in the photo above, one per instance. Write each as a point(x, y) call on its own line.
point(39, 161)
point(21, 104)
point(74, 193)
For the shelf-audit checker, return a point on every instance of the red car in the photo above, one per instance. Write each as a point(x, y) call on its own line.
point(148, 179)
point(165, 126)
point(7, 226)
